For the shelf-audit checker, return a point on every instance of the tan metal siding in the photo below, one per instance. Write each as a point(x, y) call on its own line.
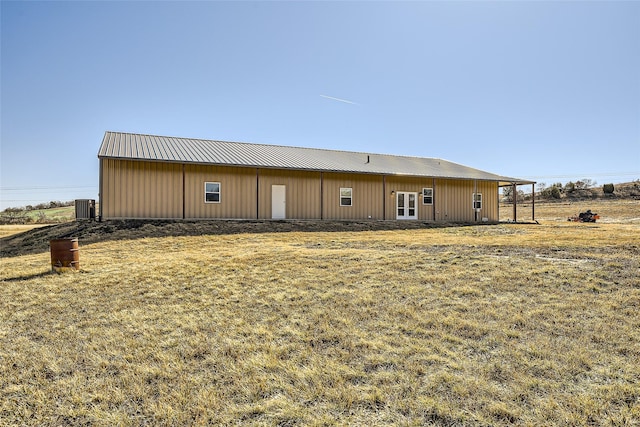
point(409, 184)
point(489, 192)
point(141, 189)
point(366, 196)
point(237, 192)
point(135, 189)
point(302, 193)
point(454, 200)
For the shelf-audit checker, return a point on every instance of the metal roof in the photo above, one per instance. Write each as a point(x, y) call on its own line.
point(130, 146)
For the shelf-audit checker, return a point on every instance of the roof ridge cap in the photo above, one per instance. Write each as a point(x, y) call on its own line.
point(370, 153)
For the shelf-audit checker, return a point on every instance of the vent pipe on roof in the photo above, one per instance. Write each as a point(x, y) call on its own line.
point(367, 158)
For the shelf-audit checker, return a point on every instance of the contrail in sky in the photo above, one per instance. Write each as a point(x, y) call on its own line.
point(346, 101)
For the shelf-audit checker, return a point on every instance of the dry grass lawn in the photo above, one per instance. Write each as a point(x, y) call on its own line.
point(8, 230)
point(610, 211)
point(486, 325)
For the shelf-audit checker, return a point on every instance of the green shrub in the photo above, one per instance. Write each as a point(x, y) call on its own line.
point(553, 192)
point(608, 188)
point(570, 187)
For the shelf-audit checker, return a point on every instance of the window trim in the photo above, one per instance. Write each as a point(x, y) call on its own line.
point(350, 197)
point(430, 197)
point(219, 192)
point(477, 201)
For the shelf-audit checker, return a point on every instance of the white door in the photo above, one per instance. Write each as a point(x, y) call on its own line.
point(406, 205)
point(278, 201)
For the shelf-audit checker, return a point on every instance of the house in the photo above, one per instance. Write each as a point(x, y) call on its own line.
point(148, 176)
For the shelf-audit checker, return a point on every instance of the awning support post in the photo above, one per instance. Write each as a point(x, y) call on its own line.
point(514, 194)
point(533, 202)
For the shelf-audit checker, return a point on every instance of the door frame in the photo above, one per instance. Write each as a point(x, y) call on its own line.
point(406, 197)
point(278, 201)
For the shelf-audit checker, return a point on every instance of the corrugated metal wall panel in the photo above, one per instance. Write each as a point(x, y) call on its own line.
point(366, 196)
point(302, 193)
point(409, 184)
point(132, 189)
point(489, 192)
point(141, 189)
point(237, 192)
point(454, 200)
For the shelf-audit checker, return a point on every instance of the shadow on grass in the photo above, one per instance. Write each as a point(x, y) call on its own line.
point(29, 276)
point(37, 240)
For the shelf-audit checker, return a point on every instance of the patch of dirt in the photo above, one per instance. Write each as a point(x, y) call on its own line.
point(37, 240)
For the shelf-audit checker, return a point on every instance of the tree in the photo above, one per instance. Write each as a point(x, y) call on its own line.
point(507, 193)
point(13, 216)
point(570, 187)
point(521, 196)
point(554, 192)
point(608, 188)
point(541, 187)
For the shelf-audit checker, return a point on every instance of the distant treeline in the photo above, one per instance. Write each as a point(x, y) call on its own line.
point(582, 189)
point(46, 205)
point(26, 214)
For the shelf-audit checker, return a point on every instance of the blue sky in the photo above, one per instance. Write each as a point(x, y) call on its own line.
point(548, 91)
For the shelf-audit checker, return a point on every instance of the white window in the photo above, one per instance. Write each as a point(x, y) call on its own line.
point(346, 196)
point(212, 192)
point(427, 196)
point(477, 200)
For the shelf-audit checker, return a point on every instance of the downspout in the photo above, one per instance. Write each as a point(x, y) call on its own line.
point(183, 192)
point(100, 191)
point(321, 195)
point(257, 193)
point(384, 198)
point(433, 197)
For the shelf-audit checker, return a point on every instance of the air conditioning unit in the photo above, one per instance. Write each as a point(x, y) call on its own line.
point(85, 209)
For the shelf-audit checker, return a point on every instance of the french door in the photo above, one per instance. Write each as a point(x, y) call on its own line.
point(406, 205)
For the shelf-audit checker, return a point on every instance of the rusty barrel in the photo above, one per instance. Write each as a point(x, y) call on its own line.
point(65, 254)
